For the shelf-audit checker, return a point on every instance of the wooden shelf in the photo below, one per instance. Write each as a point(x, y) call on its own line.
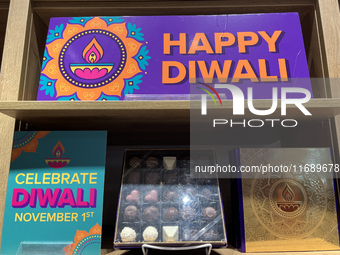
point(154, 111)
point(4, 5)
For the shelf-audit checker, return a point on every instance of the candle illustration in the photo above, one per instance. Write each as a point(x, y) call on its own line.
point(57, 161)
point(288, 204)
point(92, 69)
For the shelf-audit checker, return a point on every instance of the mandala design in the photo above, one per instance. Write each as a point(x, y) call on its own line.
point(288, 208)
point(27, 142)
point(288, 205)
point(84, 242)
point(98, 58)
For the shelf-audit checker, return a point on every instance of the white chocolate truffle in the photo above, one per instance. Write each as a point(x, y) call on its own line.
point(170, 234)
point(128, 234)
point(169, 163)
point(150, 234)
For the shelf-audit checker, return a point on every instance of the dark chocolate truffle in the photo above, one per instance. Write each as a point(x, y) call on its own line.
point(135, 162)
point(131, 213)
point(133, 178)
point(206, 194)
point(210, 235)
point(151, 213)
point(209, 213)
point(188, 213)
point(152, 178)
point(151, 162)
point(171, 196)
point(189, 233)
point(170, 178)
point(171, 214)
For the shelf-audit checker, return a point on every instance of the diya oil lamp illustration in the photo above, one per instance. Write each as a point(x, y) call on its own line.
point(91, 70)
point(57, 161)
point(288, 204)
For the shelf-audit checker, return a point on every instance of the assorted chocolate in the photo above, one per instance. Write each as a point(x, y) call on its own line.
point(160, 202)
point(151, 213)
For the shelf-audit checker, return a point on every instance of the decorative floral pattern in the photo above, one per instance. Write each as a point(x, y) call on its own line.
point(55, 34)
point(82, 239)
point(46, 59)
point(27, 142)
point(142, 57)
point(134, 32)
point(104, 97)
point(115, 84)
point(111, 20)
point(80, 20)
point(132, 84)
point(70, 98)
point(48, 85)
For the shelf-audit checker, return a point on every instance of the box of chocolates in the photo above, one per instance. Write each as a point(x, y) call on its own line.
point(285, 199)
point(161, 204)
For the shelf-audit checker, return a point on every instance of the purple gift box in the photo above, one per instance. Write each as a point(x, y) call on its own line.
point(108, 58)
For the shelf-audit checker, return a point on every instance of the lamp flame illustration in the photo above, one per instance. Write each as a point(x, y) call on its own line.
point(57, 161)
point(288, 193)
point(93, 52)
point(286, 202)
point(58, 150)
point(92, 70)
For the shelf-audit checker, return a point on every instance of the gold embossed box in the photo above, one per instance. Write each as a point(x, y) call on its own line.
point(286, 199)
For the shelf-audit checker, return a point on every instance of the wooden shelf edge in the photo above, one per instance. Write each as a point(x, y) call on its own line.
point(6, 106)
point(320, 109)
point(149, 105)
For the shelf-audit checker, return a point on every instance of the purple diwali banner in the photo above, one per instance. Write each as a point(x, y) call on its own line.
point(107, 58)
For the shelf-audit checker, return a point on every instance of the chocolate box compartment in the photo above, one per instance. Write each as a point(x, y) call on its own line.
point(157, 226)
point(152, 177)
point(136, 228)
point(189, 196)
point(174, 224)
point(152, 162)
point(184, 163)
point(208, 195)
point(210, 212)
point(171, 213)
point(130, 214)
point(151, 214)
point(133, 177)
point(170, 177)
point(131, 194)
point(151, 194)
point(189, 233)
point(185, 179)
point(170, 194)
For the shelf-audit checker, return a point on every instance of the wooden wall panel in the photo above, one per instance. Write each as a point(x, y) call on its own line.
point(12, 74)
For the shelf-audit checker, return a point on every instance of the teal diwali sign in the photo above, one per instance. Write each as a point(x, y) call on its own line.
point(54, 196)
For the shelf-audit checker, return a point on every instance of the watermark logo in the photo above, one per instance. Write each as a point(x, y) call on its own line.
point(239, 101)
point(204, 96)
